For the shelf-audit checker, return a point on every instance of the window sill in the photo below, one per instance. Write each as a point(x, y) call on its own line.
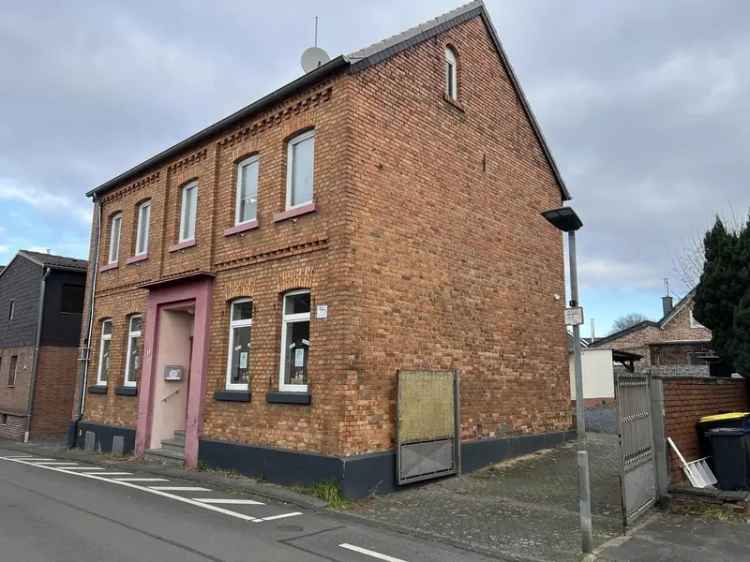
point(295, 212)
point(126, 391)
point(244, 227)
point(232, 395)
point(455, 103)
point(303, 398)
point(109, 266)
point(98, 389)
point(182, 245)
point(136, 259)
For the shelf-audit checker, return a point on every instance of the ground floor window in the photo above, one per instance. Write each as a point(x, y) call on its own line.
point(104, 353)
point(133, 363)
point(12, 371)
point(240, 328)
point(295, 341)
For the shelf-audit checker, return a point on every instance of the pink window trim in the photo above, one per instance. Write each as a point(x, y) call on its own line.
point(136, 259)
point(182, 245)
point(109, 266)
point(244, 227)
point(296, 212)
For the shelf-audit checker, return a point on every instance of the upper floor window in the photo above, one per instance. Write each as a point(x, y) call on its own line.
point(295, 341)
point(11, 310)
point(133, 360)
point(71, 301)
point(299, 170)
point(105, 348)
point(12, 371)
point(246, 208)
point(114, 238)
point(238, 360)
point(142, 227)
point(188, 212)
point(451, 74)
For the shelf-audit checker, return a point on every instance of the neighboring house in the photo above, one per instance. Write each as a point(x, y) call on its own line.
point(676, 343)
point(260, 284)
point(41, 302)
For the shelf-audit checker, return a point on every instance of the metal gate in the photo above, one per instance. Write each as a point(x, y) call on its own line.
point(427, 425)
point(638, 471)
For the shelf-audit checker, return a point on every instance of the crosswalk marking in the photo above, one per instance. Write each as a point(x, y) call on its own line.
point(180, 488)
point(83, 468)
point(227, 501)
point(138, 479)
point(114, 473)
point(58, 464)
point(370, 553)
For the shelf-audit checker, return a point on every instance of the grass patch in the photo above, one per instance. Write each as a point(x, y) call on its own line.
point(329, 492)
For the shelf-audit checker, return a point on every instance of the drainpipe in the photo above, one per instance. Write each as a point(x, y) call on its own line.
point(85, 357)
point(35, 360)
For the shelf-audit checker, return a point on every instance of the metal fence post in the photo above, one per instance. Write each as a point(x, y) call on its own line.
point(660, 440)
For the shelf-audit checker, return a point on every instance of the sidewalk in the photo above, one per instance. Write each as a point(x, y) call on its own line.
point(682, 538)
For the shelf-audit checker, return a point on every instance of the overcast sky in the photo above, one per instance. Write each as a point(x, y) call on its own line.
point(646, 107)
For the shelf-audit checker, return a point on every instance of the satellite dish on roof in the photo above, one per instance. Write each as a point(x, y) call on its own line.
point(314, 57)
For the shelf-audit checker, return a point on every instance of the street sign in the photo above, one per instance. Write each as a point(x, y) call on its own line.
point(574, 316)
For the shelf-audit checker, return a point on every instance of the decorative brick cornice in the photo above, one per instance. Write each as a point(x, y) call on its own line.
point(274, 254)
point(131, 188)
point(189, 160)
point(272, 119)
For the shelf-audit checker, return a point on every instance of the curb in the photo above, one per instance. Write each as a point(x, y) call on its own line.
point(242, 484)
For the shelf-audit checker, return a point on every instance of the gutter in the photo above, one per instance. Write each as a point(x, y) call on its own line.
point(85, 352)
point(329, 68)
point(35, 360)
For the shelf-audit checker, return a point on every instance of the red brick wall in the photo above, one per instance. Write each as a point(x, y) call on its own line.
point(686, 400)
point(13, 428)
point(53, 393)
point(14, 398)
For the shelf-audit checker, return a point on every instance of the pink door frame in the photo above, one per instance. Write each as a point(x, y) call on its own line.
point(199, 290)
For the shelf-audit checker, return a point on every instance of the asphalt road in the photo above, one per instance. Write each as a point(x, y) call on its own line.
point(52, 510)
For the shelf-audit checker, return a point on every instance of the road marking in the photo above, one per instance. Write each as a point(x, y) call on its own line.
point(28, 459)
point(114, 473)
point(282, 516)
point(227, 501)
point(144, 489)
point(370, 553)
point(138, 480)
point(179, 488)
point(83, 468)
point(60, 464)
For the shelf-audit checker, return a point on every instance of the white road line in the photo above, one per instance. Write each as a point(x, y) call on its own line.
point(227, 501)
point(84, 468)
point(370, 553)
point(114, 473)
point(28, 459)
point(282, 516)
point(179, 488)
point(144, 489)
point(60, 464)
point(138, 480)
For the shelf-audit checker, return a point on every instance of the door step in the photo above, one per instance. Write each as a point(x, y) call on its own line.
point(165, 456)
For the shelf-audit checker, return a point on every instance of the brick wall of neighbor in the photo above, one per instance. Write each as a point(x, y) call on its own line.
point(686, 400)
point(455, 265)
point(53, 395)
point(14, 426)
point(678, 328)
point(14, 399)
point(427, 246)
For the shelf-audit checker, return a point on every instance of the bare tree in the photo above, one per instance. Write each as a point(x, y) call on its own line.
point(627, 321)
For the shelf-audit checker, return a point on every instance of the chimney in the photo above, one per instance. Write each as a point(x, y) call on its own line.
point(667, 304)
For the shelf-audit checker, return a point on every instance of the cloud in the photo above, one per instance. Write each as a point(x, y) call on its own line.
point(45, 202)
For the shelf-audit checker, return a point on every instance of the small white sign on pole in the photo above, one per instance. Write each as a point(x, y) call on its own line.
point(321, 311)
point(574, 316)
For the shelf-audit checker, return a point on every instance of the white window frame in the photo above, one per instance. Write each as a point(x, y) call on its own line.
point(694, 323)
point(131, 335)
point(144, 215)
point(104, 337)
point(232, 325)
point(192, 186)
point(238, 192)
point(114, 241)
point(287, 319)
point(302, 137)
point(451, 74)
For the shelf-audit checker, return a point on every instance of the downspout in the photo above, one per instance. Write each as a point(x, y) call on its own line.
point(35, 360)
point(85, 357)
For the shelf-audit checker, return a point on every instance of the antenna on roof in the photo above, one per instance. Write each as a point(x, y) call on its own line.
point(314, 56)
point(666, 287)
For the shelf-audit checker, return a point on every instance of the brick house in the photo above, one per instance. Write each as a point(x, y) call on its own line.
point(675, 343)
point(41, 302)
point(259, 284)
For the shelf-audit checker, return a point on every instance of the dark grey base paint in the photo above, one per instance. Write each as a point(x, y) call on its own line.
point(358, 476)
point(104, 436)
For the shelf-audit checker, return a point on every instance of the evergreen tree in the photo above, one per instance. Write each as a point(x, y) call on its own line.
point(742, 336)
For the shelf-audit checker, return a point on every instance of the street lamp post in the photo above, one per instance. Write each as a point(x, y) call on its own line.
point(566, 220)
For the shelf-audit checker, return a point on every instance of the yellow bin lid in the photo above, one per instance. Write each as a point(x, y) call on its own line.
point(724, 417)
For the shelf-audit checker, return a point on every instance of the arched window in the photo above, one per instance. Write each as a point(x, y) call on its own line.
point(451, 74)
point(105, 348)
point(115, 227)
point(143, 216)
point(238, 357)
point(246, 206)
point(300, 169)
point(133, 359)
point(295, 341)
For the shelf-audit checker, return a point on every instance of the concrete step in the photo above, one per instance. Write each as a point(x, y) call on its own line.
point(172, 447)
point(180, 434)
point(165, 456)
point(175, 441)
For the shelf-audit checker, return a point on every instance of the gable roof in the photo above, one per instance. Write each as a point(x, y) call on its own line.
point(355, 62)
point(48, 260)
point(676, 309)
